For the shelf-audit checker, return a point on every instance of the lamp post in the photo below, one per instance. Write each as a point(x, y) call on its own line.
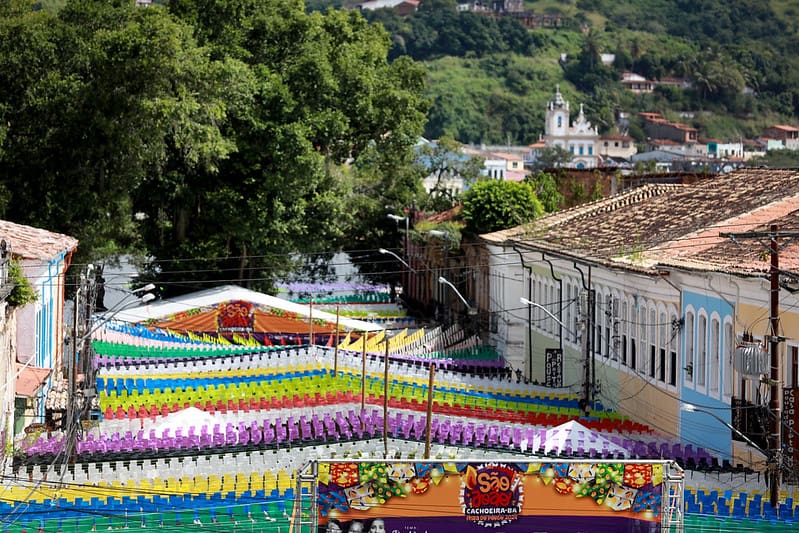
point(446, 236)
point(102, 318)
point(691, 408)
point(563, 327)
point(525, 301)
point(398, 219)
point(471, 311)
point(398, 258)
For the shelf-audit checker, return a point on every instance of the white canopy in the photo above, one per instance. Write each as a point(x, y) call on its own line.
point(217, 295)
point(575, 436)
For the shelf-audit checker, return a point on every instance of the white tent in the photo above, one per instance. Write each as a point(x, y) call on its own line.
point(217, 295)
point(185, 418)
point(574, 436)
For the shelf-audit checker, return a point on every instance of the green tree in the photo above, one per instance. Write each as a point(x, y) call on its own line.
point(493, 205)
point(545, 185)
point(231, 151)
point(444, 160)
point(22, 293)
point(99, 96)
point(552, 157)
point(323, 94)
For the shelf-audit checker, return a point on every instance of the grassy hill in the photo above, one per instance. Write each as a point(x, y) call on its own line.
point(489, 85)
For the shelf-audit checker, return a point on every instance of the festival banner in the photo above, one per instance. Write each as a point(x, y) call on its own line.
point(500, 497)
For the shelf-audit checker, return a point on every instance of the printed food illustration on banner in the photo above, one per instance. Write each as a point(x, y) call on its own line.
point(505, 496)
point(492, 494)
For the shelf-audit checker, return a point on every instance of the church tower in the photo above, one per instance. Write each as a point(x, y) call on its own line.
point(579, 138)
point(557, 117)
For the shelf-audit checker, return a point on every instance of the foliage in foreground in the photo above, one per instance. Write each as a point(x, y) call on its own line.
point(493, 205)
point(211, 136)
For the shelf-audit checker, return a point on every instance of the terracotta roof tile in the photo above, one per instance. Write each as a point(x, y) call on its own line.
point(674, 224)
point(34, 243)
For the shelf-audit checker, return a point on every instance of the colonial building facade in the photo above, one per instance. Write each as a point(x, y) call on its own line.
point(640, 302)
point(579, 137)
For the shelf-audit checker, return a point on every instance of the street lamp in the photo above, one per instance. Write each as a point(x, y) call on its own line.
point(445, 269)
point(79, 400)
point(398, 258)
point(525, 301)
point(557, 356)
point(691, 408)
point(398, 219)
point(406, 251)
point(471, 310)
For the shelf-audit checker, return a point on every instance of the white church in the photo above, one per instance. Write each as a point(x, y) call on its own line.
point(580, 138)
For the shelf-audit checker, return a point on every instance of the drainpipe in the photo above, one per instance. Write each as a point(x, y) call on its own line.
point(529, 313)
point(590, 371)
point(560, 292)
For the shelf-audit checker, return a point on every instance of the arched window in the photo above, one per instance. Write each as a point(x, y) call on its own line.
point(633, 335)
point(714, 355)
point(599, 317)
point(643, 361)
point(625, 328)
point(689, 347)
point(673, 342)
point(653, 341)
point(663, 328)
point(701, 352)
point(729, 349)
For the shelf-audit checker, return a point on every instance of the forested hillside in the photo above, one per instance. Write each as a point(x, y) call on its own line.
point(489, 77)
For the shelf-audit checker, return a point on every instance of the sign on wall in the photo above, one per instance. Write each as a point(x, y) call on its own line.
point(790, 423)
point(554, 367)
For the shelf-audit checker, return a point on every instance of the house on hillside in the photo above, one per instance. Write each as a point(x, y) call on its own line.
point(402, 7)
point(724, 149)
point(616, 146)
point(658, 127)
point(33, 344)
point(787, 136)
point(636, 83)
point(639, 84)
point(641, 300)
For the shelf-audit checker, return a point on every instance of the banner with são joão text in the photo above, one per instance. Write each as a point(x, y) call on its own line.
point(502, 497)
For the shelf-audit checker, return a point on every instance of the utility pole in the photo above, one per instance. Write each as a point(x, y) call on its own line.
point(588, 346)
point(78, 361)
point(770, 241)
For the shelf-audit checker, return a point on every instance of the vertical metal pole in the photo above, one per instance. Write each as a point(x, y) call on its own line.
point(310, 323)
point(776, 392)
point(428, 424)
point(335, 349)
point(363, 372)
point(591, 341)
point(71, 385)
point(385, 402)
point(407, 277)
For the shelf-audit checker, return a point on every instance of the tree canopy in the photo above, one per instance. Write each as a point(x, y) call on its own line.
point(493, 205)
point(219, 137)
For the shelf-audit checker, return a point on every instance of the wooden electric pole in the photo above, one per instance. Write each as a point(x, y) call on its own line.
point(770, 241)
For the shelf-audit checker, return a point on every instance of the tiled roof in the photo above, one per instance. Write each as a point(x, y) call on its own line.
point(676, 225)
point(33, 243)
point(445, 216)
point(508, 156)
